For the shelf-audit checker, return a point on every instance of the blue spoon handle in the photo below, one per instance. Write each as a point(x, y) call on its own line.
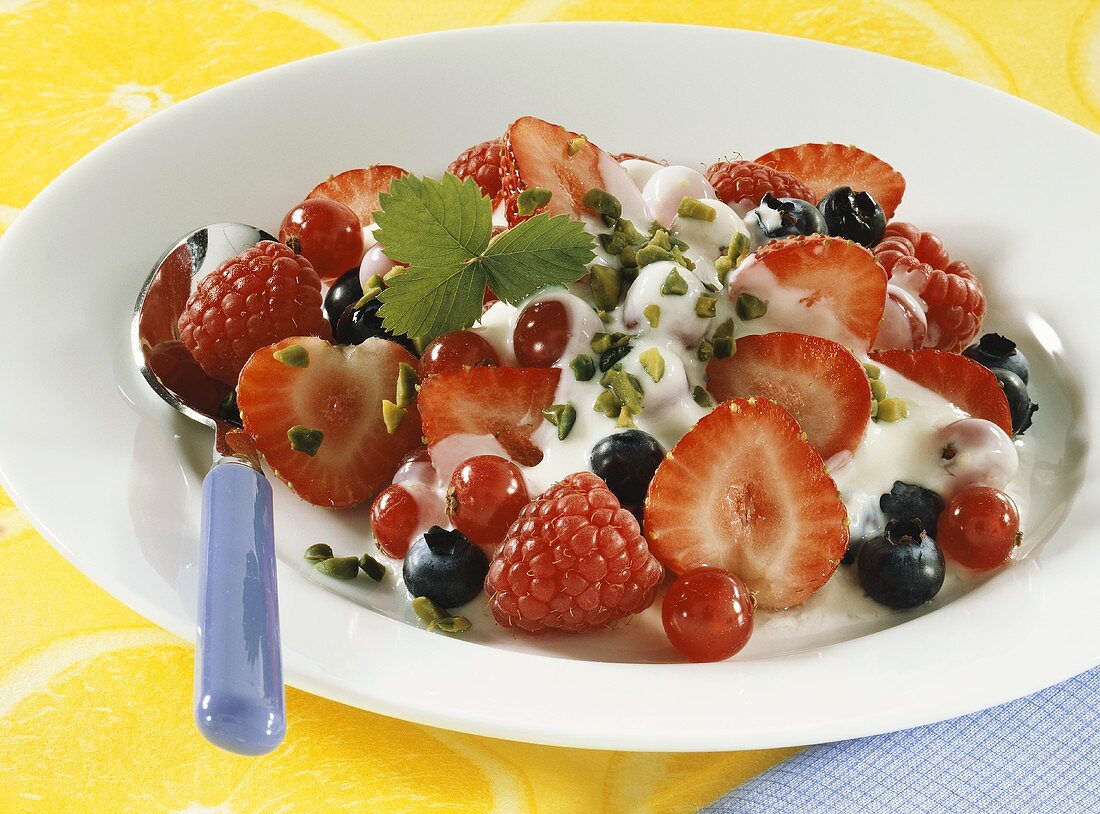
point(239, 696)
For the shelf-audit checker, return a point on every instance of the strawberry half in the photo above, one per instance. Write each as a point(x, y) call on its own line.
point(962, 381)
point(819, 382)
point(824, 167)
point(744, 491)
point(504, 402)
point(338, 390)
point(358, 190)
point(536, 153)
point(842, 290)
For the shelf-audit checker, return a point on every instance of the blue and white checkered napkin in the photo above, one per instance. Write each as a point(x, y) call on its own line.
point(1038, 755)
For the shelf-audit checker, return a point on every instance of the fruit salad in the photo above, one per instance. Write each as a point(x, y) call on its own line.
point(572, 384)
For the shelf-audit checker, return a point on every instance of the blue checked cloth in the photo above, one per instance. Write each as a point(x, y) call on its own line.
point(1038, 755)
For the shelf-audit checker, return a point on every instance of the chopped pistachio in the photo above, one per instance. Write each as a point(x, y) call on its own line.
point(652, 314)
point(705, 306)
point(608, 404)
point(725, 329)
point(680, 259)
point(427, 611)
point(601, 343)
point(406, 384)
point(653, 363)
point(562, 416)
point(602, 202)
point(872, 371)
point(613, 243)
point(293, 356)
point(676, 243)
point(723, 265)
point(724, 347)
point(450, 624)
point(576, 145)
point(738, 249)
point(605, 283)
point(372, 568)
point(892, 409)
point(369, 294)
point(531, 199)
point(628, 258)
point(661, 239)
point(674, 285)
point(583, 367)
point(420, 343)
point(878, 389)
point(318, 552)
point(701, 396)
point(605, 317)
point(625, 419)
point(651, 254)
point(629, 232)
point(339, 567)
point(706, 350)
point(612, 357)
point(305, 439)
point(393, 415)
point(393, 273)
point(375, 281)
point(696, 210)
point(627, 388)
point(749, 306)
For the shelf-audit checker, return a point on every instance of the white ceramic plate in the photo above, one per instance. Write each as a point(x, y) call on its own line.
point(111, 476)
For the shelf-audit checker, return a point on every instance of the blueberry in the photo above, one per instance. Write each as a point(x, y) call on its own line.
point(627, 461)
point(344, 292)
point(445, 567)
point(906, 501)
point(1020, 405)
point(357, 325)
point(903, 567)
point(998, 352)
point(856, 216)
point(777, 218)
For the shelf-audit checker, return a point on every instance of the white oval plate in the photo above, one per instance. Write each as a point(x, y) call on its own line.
point(111, 476)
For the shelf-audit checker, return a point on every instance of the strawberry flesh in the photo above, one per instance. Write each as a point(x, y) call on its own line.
point(359, 189)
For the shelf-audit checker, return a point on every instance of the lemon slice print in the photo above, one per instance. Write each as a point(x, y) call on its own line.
point(1084, 59)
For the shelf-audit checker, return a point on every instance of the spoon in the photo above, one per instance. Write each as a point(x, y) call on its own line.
point(239, 694)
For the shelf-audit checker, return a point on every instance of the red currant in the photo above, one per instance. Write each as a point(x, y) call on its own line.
point(541, 334)
point(485, 497)
point(325, 233)
point(979, 527)
point(394, 519)
point(707, 613)
point(457, 351)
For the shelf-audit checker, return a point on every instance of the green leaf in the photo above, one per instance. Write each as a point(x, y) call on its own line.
point(536, 253)
point(433, 223)
point(434, 301)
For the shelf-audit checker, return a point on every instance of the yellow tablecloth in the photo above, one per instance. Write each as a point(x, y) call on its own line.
point(94, 700)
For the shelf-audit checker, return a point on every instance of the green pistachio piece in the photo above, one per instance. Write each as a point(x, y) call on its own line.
point(576, 145)
point(723, 265)
point(602, 343)
point(625, 419)
point(627, 388)
point(605, 283)
point(608, 404)
point(531, 199)
point(661, 239)
point(878, 389)
point(318, 552)
point(393, 273)
point(676, 243)
point(706, 350)
point(427, 611)
point(750, 306)
point(393, 415)
point(305, 439)
point(450, 624)
point(369, 294)
point(725, 329)
point(613, 243)
point(613, 356)
point(705, 306)
point(583, 367)
point(372, 568)
point(651, 254)
point(653, 363)
point(872, 371)
point(628, 258)
point(406, 385)
point(562, 416)
point(892, 409)
point(421, 343)
point(629, 232)
point(674, 285)
point(679, 259)
point(696, 210)
point(738, 249)
point(292, 356)
point(701, 396)
point(652, 314)
point(602, 202)
point(374, 281)
point(339, 567)
point(724, 347)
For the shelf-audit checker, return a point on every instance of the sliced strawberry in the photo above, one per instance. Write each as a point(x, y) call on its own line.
point(962, 381)
point(339, 391)
point(536, 153)
point(505, 402)
point(819, 382)
point(358, 190)
point(744, 491)
point(841, 289)
point(824, 167)
point(638, 157)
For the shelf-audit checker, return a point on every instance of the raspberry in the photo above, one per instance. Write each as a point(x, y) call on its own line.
point(482, 163)
point(955, 304)
point(737, 181)
point(262, 295)
point(574, 560)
